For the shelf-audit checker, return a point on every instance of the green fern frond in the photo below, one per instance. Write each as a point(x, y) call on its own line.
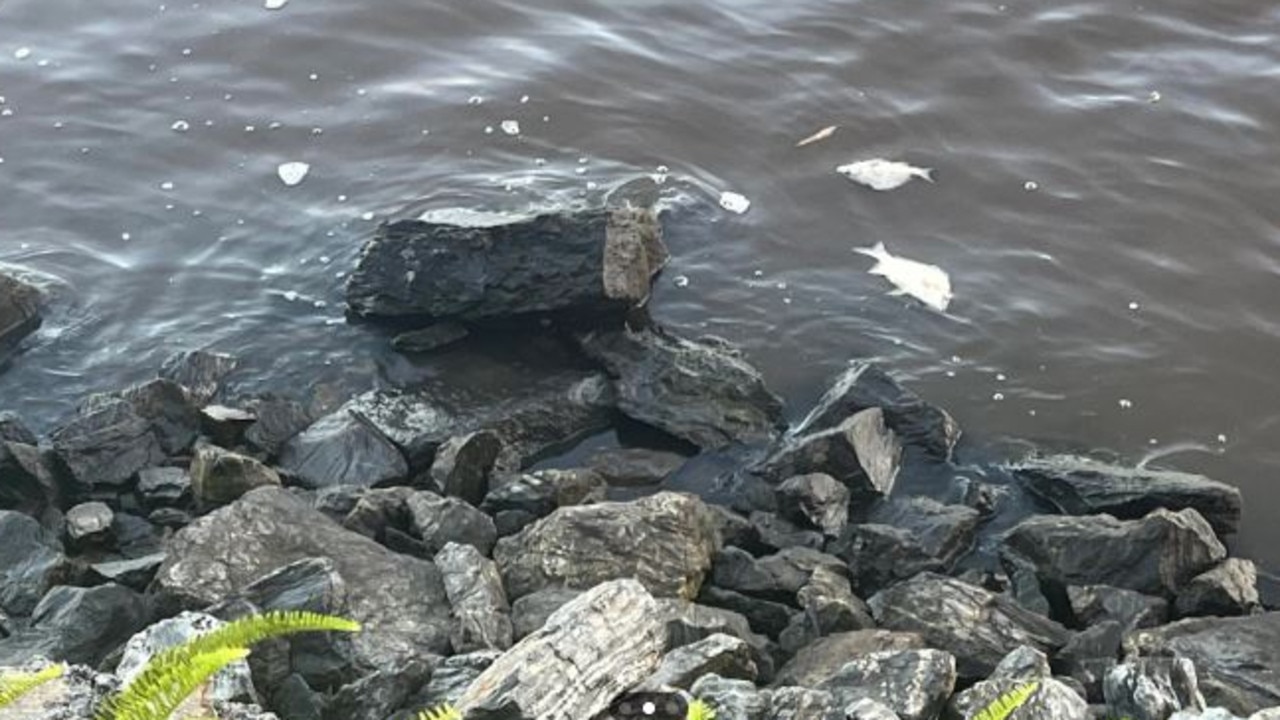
point(16, 685)
point(248, 631)
point(441, 712)
point(1002, 707)
point(700, 710)
point(155, 695)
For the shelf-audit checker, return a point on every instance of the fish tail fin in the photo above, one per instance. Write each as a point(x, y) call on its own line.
point(927, 174)
point(877, 251)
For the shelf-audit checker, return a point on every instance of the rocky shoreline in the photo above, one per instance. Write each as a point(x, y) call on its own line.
point(805, 575)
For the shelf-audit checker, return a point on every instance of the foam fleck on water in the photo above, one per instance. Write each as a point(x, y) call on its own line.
point(1125, 403)
point(511, 127)
point(180, 126)
point(22, 53)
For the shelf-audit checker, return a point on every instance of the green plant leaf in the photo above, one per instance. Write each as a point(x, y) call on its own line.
point(440, 712)
point(14, 686)
point(154, 695)
point(700, 710)
point(1002, 707)
point(247, 631)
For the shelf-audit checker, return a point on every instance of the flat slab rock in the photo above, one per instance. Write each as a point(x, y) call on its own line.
point(590, 262)
point(665, 541)
point(1082, 486)
point(400, 600)
point(702, 390)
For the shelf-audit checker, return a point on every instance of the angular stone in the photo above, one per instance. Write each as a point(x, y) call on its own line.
point(1090, 655)
point(1156, 555)
point(906, 538)
point(823, 658)
point(864, 385)
point(279, 420)
point(231, 683)
point(378, 694)
point(452, 677)
point(27, 484)
point(634, 467)
point(1094, 604)
point(733, 699)
point(199, 371)
point(830, 605)
point(440, 521)
point(13, 430)
point(816, 500)
point(135, 573)
point(19, 313)
point(594, 262)
point(400, 600)
point(164, 486)
point(766, 617)
point(530, 613)
point(31, 562)
point(220, 476)
point(724, 655)
point(688, 623)
point(434, 337)
point(666, 541)
point(1152, 688)
point(90, 524)
point(702, 391)
point(976, 626)
point(481, 614)
point(78, 625)
point(343, 449)
point(915, 684)
point(861, 452)
point(173, 415)
point(1051, 700)
point(518, 500)
point(102, 449)
point(463, 464)
point(776, 534)
point(376, 510)
point(1229, 589)
point(1082, 486)
point(226, 426)
point(608, 640)
point(1237, 660)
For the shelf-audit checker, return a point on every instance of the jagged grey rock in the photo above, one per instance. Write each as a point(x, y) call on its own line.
point(861, 452)
point(440, 520)
point(686, 623)
point(19, 313)
point(593, 262)
point(1051, 700)
point(905, 538)
point(31, 562)
point(1152, 688)
point(199, 371)
point(1229, 589)
point(823, 658)
point(530, 613)
point(233, 682)
point(78, 625)
point(724, 655)
point(1083, 486)
point(702, 390)
point(865, 385)
point(102, 449)
point(915, 684)
point(666, 541)
point(28, 485)
point(607, 640)
point(830, 605)
point(90, 524)
point(976, 626)
point(1156, 555)
point(776, 534)
point(14, 430)
point(480, 610)
point(778, 576)
point(463, 464)
point(134, 573)
point(733, 699)
point(1094, 604)
point(517, 500)
point(174, 416)
point(400, 599)
point(765, 616)
point(342, 449)
point(818, 500)
point(279, 420)
point(1237, 660)
point(451, 678)
point(797, 703)
point(378, 694)
point(220, 476)
point(163, 486)
point(634, 467)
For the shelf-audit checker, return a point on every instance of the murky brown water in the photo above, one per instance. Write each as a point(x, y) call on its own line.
point(1130, 301)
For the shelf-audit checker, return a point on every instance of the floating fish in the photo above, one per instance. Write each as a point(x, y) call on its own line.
point(292, 173)
point(822, 134)
point(881, 174)
point(733, 202)
point(927, 283)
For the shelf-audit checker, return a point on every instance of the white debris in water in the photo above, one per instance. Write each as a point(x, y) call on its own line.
point(1134, 306)
point(660, 174)
point(1032, 413)
point(22, 53)
point(180, 126)
point(511, 127)
point(539, 162)
point(290, 295)
point(475, 100)
point(546, 118)
point(524, 99)
point(1154, 97)
point(734, 203)
point(166, 185)
point(275, 125)
point(317, 131)
point(274, 4)
point(126, 237)
point(488, 129)
point(998, 397)
point(292, 173)
point(42, 63)
point(1001, 377)
point(7, 112)
point(313, 77)
point(758, 273)
point(186, 51)
point(581, 171)
point(367, 216)
point(681, 281)
point(881, 174)
point(819, 136)
point(342, 198)
point(1222, 439)
point(1125, 403)
point(1031, 186)
point(249, 128)
point(950, 373)
point(929, 284)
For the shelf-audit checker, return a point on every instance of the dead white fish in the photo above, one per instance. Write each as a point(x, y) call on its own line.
point(881, 174)
point(819, 136)
point(927, 283)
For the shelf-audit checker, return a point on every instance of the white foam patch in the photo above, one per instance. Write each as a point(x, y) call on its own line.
point(292, 173)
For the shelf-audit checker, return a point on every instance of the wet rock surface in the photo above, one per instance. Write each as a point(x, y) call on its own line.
point(19, 313)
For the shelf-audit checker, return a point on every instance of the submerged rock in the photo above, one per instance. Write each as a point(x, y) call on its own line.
point(19, 313)
point(594, 262)
point(199, 371)
point(1082, 486)
point(702, 390)
point(426, 339)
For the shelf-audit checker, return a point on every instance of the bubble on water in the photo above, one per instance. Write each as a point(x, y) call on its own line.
point(275, 125)
point(249, 128)
point(475, 100)
point(313, 77)
point(511, 127)
point(1030, 186)
point(1154, 97)
point(546, 118)
point(734, 202)
point(325, 259)
point(208, 123)
point(681, 281)
point(169, 206)
point(1222, 439)
point(758, 273)
point(1134, 306)
point(956, 359)
point(998, 397)
point(361, 92)
point(1125, 403)
point(320, 304)
point(317, 131)
point(787, 301)
point(58, 125)
point(166, 185)
point(592, 185)
point(186, 51)
point(274, 4)
point(367, 216)
point(290, 295)
point(584, 160)
point(950, 373)
point(292, 173)
point(1001, 377)
point(581, 171)
point(781, 286)
point(342, 198)
point(126, 236)
point(180, 126)
point(7, 112)
point(22, 53)
point(42, 63)
point(540, 161)
point(1153, 441)
point(197, 213)
point(524, 99)
point(488, 129)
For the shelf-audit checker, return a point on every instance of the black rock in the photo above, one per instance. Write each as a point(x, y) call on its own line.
point(135, 536)
point(135, 573)
point(164, 486)
point(226, 426)
point(1090, 654)
point(463, 465)
point(817, 500)
point(1228, 589)
point(78, 625)
point(830, 605)
point(766, 617)
point(451, 678)
point(864, 385)
point(774, 533)
point(27, 483)
point(530, 613)
point(595, 262)
point(199, 371)
point(31, 562)
point(1095, 604)
point(13, 430)
point(343, 449)
point(823, 658)
point(294, 699)
point(379, 694)
point(861, 452)
point(279, 419)
point(634, 467)
point(173, 414)
point(976, 626)
point(102, 449)
point(169, 517)
point(482, 617)
point(1156, 555)
point(906, 537)
point(19, 313)
point(701, 391)
point(536, 495)
point(430, 338)
point(440, 521)
point(1082, 486)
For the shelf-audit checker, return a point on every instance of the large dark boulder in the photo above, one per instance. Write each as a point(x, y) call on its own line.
point(978, 627)
point(861, 452)
point(31, 562)
point(343, 449)
point(78, 625)
point(822, 659)
point(27, 483)
point(913, 683)
point(1082, 486)
point(666, 541)
point(1051, 700)
point(1237, 660)
point(591, 263)
point(173, 414)
point(19, 313)
point(702, 391)
point(865, 385)
point(102, 449)
point(1156, 555)
point(400, 599)
point(904, 538)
